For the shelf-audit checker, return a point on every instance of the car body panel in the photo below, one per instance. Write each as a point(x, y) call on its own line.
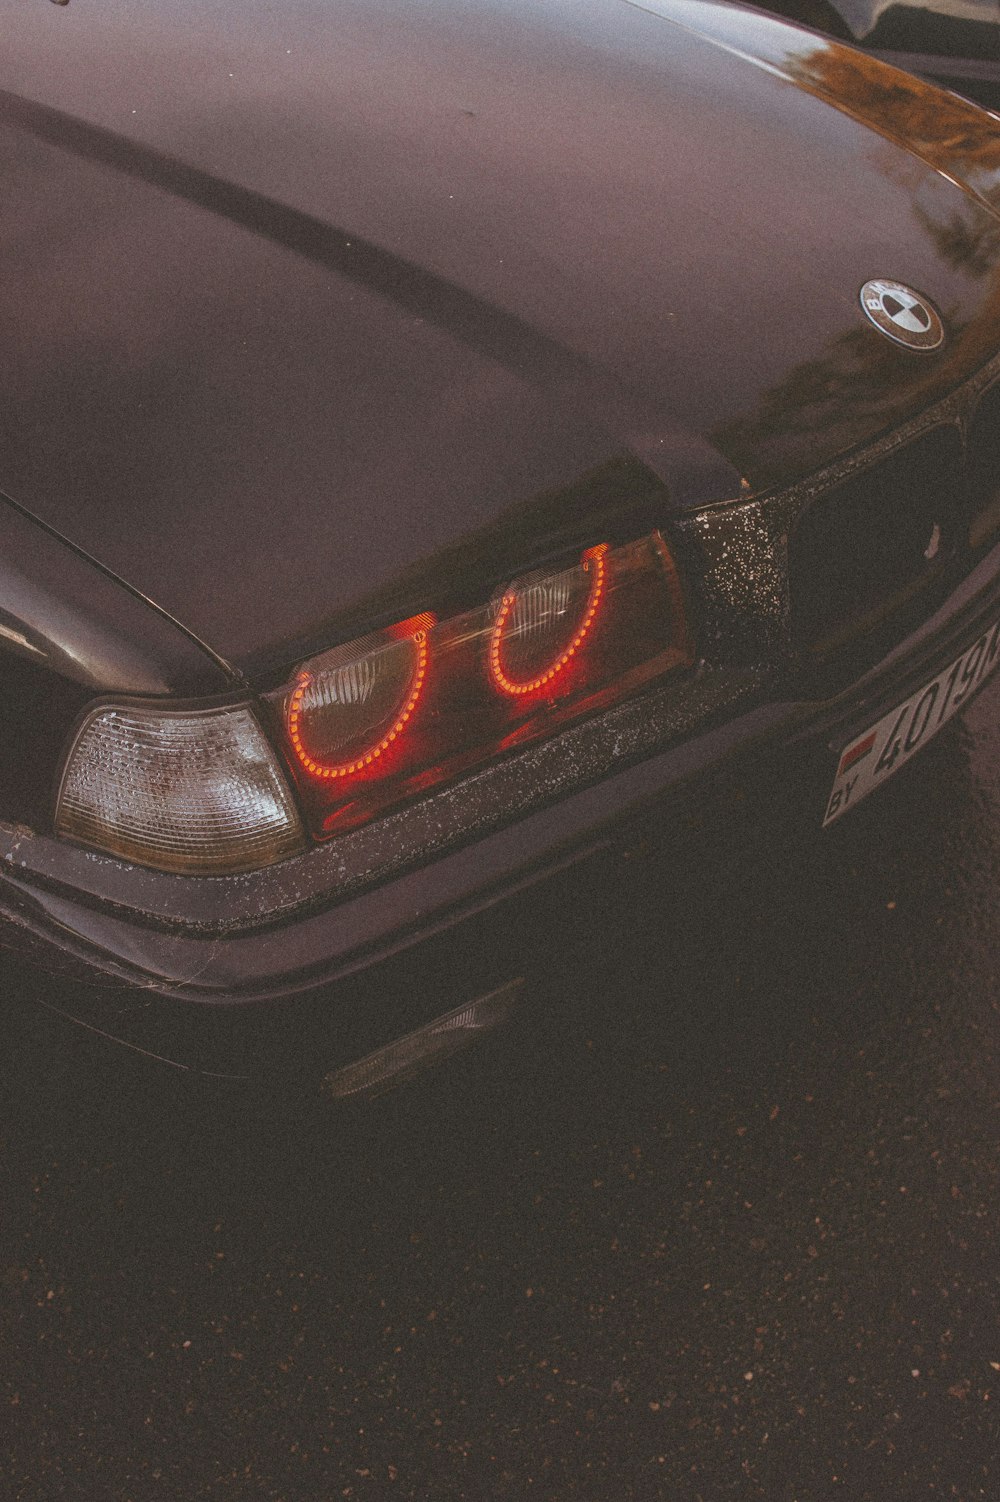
point(316, 318)
point(61, 608)
point(393, 288)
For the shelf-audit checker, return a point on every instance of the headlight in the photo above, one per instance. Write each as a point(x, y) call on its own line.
point(375, 721)
point(384, 718)
point(200, 793)
point(352, 704)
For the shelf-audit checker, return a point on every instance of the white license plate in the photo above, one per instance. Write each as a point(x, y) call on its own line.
point(873, 756)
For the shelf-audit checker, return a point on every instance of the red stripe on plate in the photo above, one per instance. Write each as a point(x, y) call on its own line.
point(855, 753)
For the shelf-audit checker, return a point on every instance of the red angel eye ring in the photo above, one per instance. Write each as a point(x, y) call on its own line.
point(356, 706)
point(532, 612)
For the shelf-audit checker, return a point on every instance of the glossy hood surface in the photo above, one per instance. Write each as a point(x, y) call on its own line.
point(303, 306)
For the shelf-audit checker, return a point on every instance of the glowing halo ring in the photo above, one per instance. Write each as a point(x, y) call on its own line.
point(348, 768)
point(527, 686)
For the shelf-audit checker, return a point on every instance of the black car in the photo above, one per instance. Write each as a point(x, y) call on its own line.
point(436, 440)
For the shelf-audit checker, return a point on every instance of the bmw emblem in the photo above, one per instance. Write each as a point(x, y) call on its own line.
point(902, 315)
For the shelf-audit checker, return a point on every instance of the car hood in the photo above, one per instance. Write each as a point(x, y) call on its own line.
point(304, 307)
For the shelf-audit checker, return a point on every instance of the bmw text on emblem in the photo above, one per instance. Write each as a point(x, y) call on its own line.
point(902, 315)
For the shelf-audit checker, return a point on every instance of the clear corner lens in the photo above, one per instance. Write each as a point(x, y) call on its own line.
point(199, 793)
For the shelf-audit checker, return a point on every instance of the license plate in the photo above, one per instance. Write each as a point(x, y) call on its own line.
point(873, 756)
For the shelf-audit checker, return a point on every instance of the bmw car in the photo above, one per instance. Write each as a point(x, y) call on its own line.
point(438, 441)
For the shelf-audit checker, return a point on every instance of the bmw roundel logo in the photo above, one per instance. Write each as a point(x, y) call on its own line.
point(902, 315)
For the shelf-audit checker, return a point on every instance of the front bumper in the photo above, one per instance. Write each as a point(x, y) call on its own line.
point(291, 972)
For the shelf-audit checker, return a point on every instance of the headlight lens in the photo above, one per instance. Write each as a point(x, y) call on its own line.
point(199, 793)
point(540, 627)
point(349, 705)
point(388, 716)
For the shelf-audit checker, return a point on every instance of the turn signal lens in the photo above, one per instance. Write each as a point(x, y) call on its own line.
point(198, 793)
point(392, 714)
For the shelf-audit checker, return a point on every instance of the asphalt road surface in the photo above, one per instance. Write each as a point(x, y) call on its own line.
point(725, 1225)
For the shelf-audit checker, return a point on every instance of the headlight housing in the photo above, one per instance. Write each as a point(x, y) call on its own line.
point(374, 722)
point(199, 792)
point(382, 719)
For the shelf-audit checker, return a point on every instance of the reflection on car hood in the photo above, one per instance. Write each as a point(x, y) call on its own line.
point(296, 297)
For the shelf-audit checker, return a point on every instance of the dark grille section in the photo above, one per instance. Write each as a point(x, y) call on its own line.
point(861, 553)
point(984, 470)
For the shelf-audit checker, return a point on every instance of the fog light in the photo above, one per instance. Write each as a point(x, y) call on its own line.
point(199, 793)
point(405, 1057)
